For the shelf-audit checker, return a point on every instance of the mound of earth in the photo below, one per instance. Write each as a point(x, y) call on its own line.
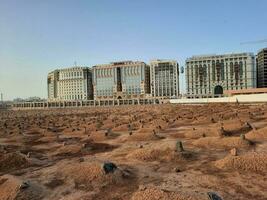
point(160, 124)
point(92, 174)
point(108, 124)
point(67, 150)
point(46, 139)
point(11, 188)
point(13, 161)
point(257, 135)
point(144, 134)
point(121, 128)
point(232, 125)
point(248, 162)
point(153, 193)
point(98, 136)
point(146, 154)
point(91, 127)
point(150, 154)
point(199, 133)
point(217, 142)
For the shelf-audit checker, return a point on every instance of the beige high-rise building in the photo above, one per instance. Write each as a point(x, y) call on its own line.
point(164, 77)
point(70, 84)
point(262, 68)
point(121, 80)
point(213, 74)
point(52, 80)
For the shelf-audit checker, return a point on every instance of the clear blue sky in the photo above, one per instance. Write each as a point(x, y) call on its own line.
point(37, 36)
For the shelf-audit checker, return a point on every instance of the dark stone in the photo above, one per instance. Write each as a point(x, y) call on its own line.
point(24, 185)
point(109, 167)
point(250, 126)
point(177, 170)
point(242, 137)
point(179, 146)
point(223, 132)
point(214, 196)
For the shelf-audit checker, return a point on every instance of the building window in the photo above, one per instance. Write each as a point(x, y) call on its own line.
point(213, 71)
point(231, 70)
point(222, 71)
point(241, 68)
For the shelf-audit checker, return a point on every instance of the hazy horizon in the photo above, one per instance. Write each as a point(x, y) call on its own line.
point(37, 37)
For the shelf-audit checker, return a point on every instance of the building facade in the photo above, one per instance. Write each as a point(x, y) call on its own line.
point(121, 80)
point(70, 84)
point(164, 77)
point(262, 68)
point(212, 75)
point(52, 80)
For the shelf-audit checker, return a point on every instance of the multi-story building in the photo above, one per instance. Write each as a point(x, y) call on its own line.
point(164, 77)
point(70, 84)
point(52, 80)
point(121, 80)
point(211, 75)
point(262, 68)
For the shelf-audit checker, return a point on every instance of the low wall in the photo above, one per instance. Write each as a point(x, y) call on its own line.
point(87, 103)
point(249, 98)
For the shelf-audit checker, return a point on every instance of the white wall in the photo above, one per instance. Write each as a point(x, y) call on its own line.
point(250, 98)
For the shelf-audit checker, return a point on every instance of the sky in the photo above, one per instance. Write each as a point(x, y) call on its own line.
point(38, 36)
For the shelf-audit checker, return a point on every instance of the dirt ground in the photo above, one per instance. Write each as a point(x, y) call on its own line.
point(160, 152)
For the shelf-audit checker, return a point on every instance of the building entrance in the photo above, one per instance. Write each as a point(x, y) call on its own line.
point(218, 90)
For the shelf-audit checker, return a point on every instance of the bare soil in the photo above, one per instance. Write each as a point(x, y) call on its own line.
point(61, 154)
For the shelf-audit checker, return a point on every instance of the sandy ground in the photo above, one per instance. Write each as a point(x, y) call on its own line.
point(61, 154)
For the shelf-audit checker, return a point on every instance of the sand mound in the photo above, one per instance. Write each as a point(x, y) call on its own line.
point(149, 155)
point(108, 124)
point(248, 162)
point(91, 127)
point(67, 150)
point(47, 139)
point(144, 134)
point(98, 136)
point(257, 135)
point(199, 133)
point(145, 130)
point(160, 124)
point(154, 193)
point(217, 142)
point(146, 154)
point(10, 189)
point(121, 128)
point(12, 161)
point(232, 125)
point(92, 174)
